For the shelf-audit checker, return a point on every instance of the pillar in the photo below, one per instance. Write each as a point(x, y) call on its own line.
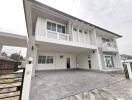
point(129, 68)
point(32, 52)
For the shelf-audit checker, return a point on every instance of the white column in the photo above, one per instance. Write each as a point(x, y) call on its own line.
point(117, 61)
point(27, 82)
point(69, 30)
point(97, 53)
point(78, 39)
point(93, 37)
point(32, 52)
point(129, 68)
point(99, 59)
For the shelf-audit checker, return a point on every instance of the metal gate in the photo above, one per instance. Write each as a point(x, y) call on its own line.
point(11, 84)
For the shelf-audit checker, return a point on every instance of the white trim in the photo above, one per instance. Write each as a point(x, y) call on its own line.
point(55, 22)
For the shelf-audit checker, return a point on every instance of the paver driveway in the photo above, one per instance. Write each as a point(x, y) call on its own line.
point(58, 84)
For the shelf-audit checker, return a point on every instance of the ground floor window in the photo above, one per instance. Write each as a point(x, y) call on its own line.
point(109, 61)
point(45, 60)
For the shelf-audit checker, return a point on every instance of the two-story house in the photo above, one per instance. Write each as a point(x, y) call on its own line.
point(60, 41)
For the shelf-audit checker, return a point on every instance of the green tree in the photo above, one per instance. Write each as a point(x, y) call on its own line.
point(16, 56)
point(129, 57)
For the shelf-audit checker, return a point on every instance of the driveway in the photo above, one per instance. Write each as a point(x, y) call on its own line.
point(54, 85)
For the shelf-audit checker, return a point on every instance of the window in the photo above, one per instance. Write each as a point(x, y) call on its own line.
point(42, 59)
point(49, 59)
point(55, 27)
point(60, 28)
point(45, 60)
point(74, 29)
point(105, 40)
point(51, 26)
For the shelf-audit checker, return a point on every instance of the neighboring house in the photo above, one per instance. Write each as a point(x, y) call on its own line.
point(7, 65)
point(60, 41)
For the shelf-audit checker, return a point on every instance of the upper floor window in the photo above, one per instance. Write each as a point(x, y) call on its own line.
point(51, 26)
point(60, 28)
point(105, 40)
point(74, 29)
point(55, 27)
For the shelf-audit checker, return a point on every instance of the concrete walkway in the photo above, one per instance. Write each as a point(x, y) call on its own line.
point(59, 84)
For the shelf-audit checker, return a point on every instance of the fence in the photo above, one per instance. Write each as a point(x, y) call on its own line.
point(11, 84)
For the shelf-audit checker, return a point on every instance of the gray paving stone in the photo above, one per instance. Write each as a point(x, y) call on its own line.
point(59, 84)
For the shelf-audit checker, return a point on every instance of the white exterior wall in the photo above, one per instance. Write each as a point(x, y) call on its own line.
point(58, 63)
point(78, 39)
point(99, 41)
point(117, 61)
point(82, 60)
point(95, 60)
point(40, 27)
point(71, 37)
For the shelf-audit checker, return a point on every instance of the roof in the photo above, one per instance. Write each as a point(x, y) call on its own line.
point(10, 39)
point(67, 15)
point(11, 35)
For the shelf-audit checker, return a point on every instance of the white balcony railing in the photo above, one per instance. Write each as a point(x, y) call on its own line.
point(109, 47)
point(109, 44)
point(59, 36)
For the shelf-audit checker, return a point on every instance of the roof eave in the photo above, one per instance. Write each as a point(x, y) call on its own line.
point(67, 15)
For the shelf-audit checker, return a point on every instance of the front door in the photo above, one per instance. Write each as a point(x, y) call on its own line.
point(89, 62)
point(68, 63)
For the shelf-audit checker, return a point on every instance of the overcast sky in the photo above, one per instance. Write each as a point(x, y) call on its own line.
point(113, 15)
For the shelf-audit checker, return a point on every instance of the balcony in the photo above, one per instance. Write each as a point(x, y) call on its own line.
point(109, 47)
point(51, 37)
point(58, 36)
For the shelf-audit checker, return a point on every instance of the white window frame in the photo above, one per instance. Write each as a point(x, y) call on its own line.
point(57, 23)
point(46, 59)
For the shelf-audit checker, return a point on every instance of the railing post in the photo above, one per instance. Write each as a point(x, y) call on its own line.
point(27, 80)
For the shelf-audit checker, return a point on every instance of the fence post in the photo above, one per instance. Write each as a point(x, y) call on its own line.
point(27, 80)
point(129, 70)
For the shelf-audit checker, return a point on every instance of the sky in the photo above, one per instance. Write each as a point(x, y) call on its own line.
point(113, 15)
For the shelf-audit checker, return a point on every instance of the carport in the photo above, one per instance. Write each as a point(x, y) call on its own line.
point(10, 39)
